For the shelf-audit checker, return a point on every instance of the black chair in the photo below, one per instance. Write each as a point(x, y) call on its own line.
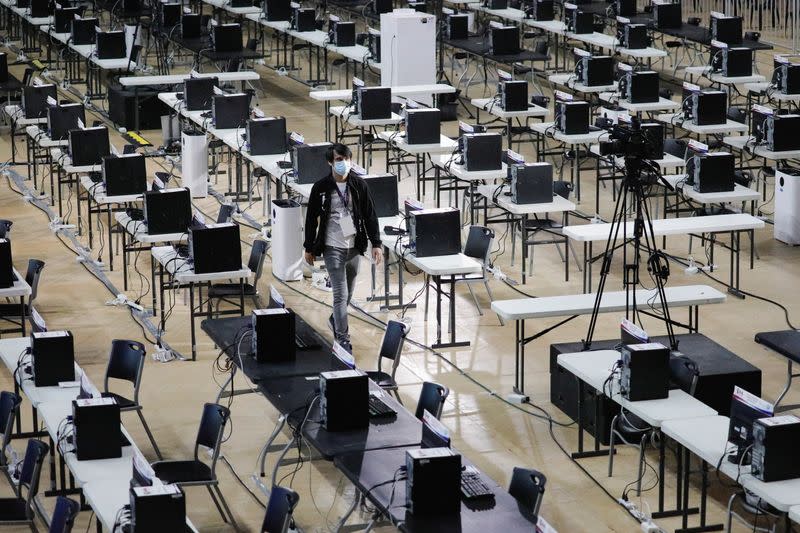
point(18, 509)
point(536, 225)
point(278, 517)
point(225, 213)
point(64, 515)
point(478, 247)
point(527, 487)
point(737, 114)
point(11, 312)
point(9, 406)
point(126, 363)
point(5, 228)
point(196, 473)
point(226, 292)
point(431, 399)
point(391, 348)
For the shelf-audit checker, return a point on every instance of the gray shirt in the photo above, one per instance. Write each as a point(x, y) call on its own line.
point(334, 236)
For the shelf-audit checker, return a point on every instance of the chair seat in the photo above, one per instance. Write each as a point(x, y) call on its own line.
point(542, 223)
point(674, 44)
point(182, 471)
point(123, 402)
point(13, 510)
point(12, 310)
point(383, 379)
point(222, 290)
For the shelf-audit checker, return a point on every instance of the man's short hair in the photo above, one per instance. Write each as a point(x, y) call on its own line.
point(338, 149)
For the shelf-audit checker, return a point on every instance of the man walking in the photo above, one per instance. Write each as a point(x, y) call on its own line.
point(340, 222)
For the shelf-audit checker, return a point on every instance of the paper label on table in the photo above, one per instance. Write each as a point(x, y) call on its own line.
point(781, 58)
point(343, 355)
point(187, 11)
point(357, 82)
point(624, 67)
point(77, 17)
point(697, 146)
point(503, 75)
point(334, 374)
point(50, 334)
point(37, 319)
point(156, 490)
point(751, 400)
point(562, 96)
point(271, 311)
point(51, 101)
point(690, 86)
point(646, 346)
point(276, 296)
point(466, 128)
point(623, 20)
point(200, 218)
point(333, 18)
point(218, 91)
point(514, 157)
point(780, 420)
point(435, 425)
point(543, 527)
point(95, 402)
point(294, 5)
point(38, 81)
point(763, 109)
point(358, 169)
point(580, 52)
point(718, 44)
point(68, 384)
point(257, 113)
point(624, 116)
point(411, 104)
point(717, 14)
point(634, 330)
point(570, 5)
point(447, 11)
point(296, 138)
point(496, 24)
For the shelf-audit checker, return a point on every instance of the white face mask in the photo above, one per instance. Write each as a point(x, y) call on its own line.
point(342, 168)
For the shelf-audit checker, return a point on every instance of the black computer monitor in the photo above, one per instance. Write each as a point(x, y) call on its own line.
point(7, 276)
point(227, 38)
point(311, 162)
point(191, 26)
point(746, 408)
point(63, 17)
point(230, 110)
point(62, 118)
point(83, 30)
point(34, 100)
point(124, 175)
point(170, 14)
point(39, 8)
point(198, 93)
point(168, 211)
point(87, 147)
point(3, 67)
point(385, 197)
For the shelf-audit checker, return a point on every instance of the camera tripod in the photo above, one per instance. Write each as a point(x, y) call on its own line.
point(643, 239)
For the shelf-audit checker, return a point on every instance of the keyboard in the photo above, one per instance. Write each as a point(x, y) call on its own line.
point(305, 341)
point(472, 486)
point(378, 409)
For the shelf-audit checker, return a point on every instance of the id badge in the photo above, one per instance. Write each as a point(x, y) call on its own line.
point(347, 225)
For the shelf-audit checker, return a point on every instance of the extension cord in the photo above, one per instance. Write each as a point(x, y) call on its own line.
point(650, 527)
point(256, 479)
point(692, 268)
point(517, 399)
point(163, 356)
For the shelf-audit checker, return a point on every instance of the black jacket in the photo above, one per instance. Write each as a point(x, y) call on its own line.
point(319, 210)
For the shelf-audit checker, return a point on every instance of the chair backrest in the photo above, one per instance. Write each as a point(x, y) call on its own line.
point(562, 189)
point(135, 51)
point(64, 515)
point(5, 227)
point(684, 372)
point(676, 147)
point(392, 344)
point(225, 213)
point(30, 472)
point(479, 243)
point(27, 76)
point(542, 47)
point(527, 487)
point(737, 114)
point(209, 434)
point(431, 399)
point(256, 263)
point(281, 504)
point(9, 402)
point(126, 362)
point(32, 276)
point(233, 65)
point(251, 44)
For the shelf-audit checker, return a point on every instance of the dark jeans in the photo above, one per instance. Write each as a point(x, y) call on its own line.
point(342, 266)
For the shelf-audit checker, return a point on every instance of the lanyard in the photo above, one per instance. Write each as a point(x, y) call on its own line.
point(344, 197)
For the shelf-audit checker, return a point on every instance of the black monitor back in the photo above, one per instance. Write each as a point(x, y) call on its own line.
point(88, 146)
point(385, 197)
point(198, 93)
point(168, 211)
point(62, 118)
